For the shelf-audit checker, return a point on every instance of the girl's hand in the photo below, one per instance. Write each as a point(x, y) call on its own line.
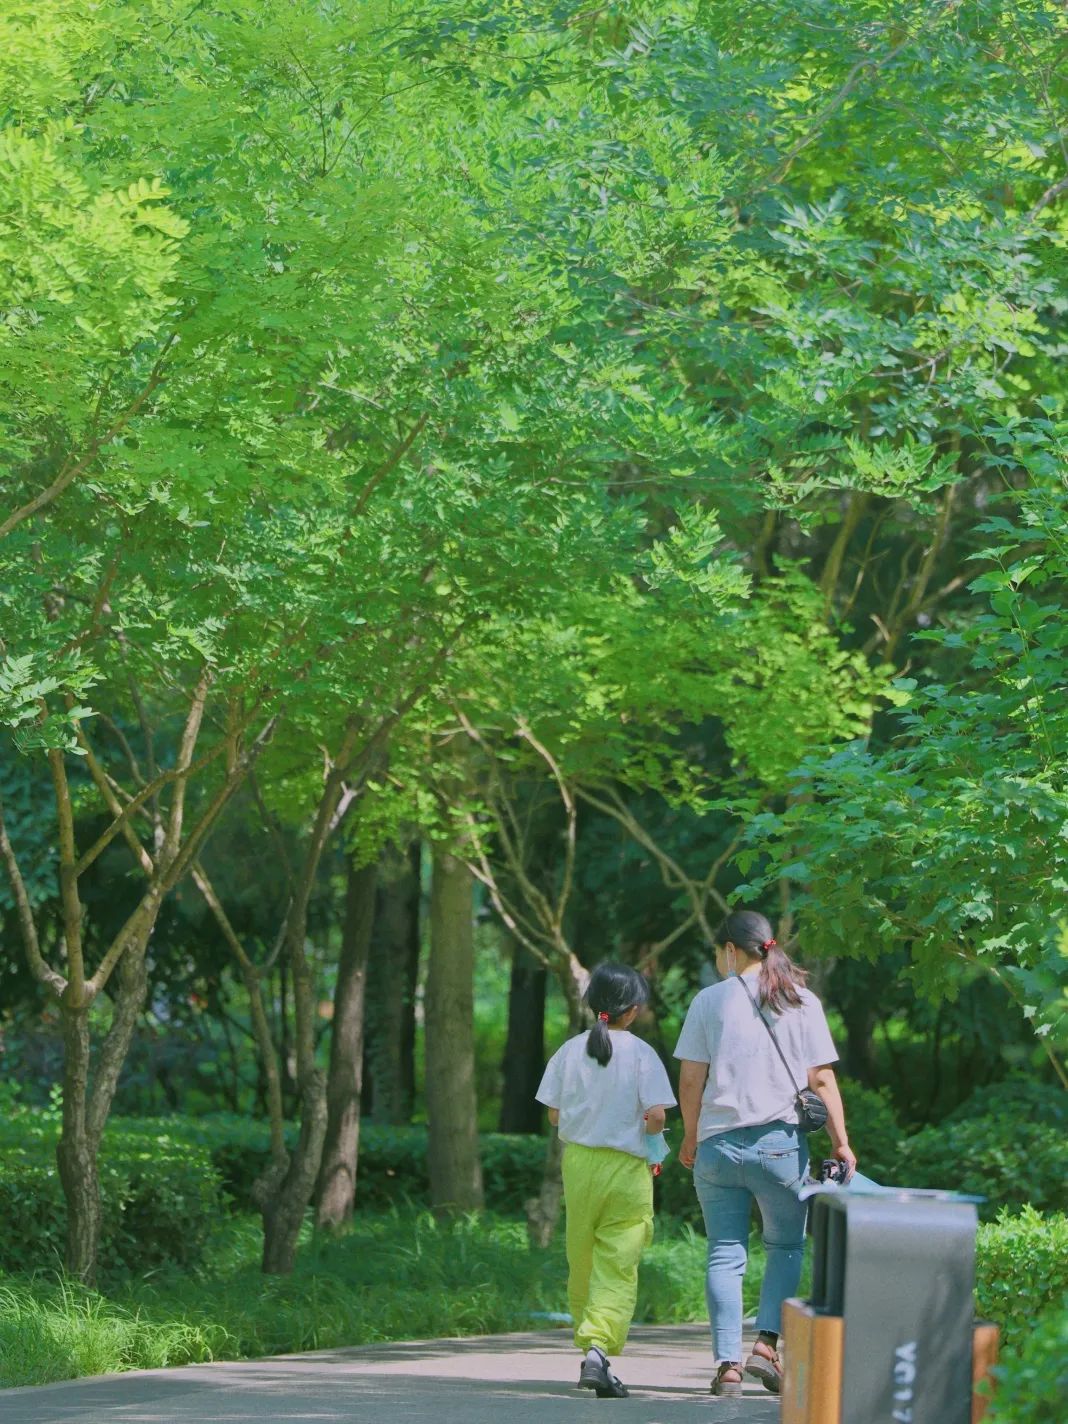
point(654, 1120)
point(688, 1150)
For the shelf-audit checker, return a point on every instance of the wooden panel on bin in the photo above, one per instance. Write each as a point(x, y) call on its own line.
point(812, 1378)
point(984, 1358)
point(796, 1351)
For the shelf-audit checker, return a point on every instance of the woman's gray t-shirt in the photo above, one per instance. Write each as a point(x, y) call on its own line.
point(747, 1084)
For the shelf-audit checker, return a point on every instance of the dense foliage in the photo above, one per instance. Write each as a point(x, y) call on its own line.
point(162, 1200)
point(1031, 1389)
point(621, 450)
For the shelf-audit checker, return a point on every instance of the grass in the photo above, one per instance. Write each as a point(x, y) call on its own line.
point(400, 1275)
point(54, 1330)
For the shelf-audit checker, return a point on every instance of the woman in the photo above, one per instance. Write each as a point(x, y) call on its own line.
point(741, 1137)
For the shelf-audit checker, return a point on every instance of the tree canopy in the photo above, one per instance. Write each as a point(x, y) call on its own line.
point(434, 410)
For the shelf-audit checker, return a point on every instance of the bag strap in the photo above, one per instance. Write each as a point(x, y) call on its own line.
point(771, 1031)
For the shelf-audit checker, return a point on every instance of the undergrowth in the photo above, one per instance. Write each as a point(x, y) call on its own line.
point(392, 1276)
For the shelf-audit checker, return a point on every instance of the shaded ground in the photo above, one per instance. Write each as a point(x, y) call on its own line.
point(521, 1378)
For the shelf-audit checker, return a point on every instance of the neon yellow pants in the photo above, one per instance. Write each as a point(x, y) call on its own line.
point(608, 1197)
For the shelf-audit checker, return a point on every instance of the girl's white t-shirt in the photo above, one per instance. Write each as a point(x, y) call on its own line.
point(605, 1107)
point(747, 1084)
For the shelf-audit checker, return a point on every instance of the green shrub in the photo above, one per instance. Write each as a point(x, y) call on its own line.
point(160, 1199)
point(512, 1168)
point(392, 1167)
point(1016, 1098)
point(1021, 1270)
point(1007, 1158)
point(1033, 1382)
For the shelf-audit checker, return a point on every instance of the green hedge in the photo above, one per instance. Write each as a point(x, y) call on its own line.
point(1021, 1271)
point(1017, 1098)
point(1006, 1157)
point(392, 1167)
point(1033, 1383)
point(167, 1181)
point(161, 1198)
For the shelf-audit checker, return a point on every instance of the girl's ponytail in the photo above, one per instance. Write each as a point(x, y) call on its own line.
point(612, 990)
point(599, 1043)
point(781, 980)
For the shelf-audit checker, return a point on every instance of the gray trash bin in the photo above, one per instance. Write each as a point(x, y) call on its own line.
point(895, 1273)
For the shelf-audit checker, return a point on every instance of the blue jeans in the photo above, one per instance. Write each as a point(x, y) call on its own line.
point(767, 1163)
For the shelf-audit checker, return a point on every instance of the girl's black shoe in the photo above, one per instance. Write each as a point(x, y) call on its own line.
point(596, 1375)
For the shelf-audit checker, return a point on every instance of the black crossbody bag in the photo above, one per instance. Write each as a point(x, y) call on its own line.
point(811, 1109)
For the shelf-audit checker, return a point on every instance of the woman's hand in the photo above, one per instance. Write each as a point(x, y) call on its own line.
point(688, 1150)
point(845, 1154)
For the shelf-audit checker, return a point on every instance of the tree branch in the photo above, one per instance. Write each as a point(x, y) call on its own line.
point(1051, 195)
point(389, 464)
point(190, 733)
point(42, 971)
point(70, 472)
point(68, 877)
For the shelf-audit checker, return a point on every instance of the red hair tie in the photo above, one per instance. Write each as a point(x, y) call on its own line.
point(603, 1017)
point(768, 944)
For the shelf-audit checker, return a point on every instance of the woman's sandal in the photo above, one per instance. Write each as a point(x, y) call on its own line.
point(767, 1369)
point(728, 1388)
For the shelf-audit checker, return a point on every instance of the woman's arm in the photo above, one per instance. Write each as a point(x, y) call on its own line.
point(655, 1118)
point(823, 1082)
point(692, 1079)
point(554, 1116)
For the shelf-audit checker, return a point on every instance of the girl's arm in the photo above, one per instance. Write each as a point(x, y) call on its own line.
point(655, 1119)
point(554, 1116)
point(823, 1083)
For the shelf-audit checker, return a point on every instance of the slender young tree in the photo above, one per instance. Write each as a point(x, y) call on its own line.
point(451, 1101)
point(336, 1191)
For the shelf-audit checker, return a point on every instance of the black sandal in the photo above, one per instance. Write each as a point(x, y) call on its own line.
point(598, 1377)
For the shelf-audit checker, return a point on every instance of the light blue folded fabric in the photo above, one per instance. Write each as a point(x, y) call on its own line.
point(858, 1183)
point(861, 1186)
point(656, 1148)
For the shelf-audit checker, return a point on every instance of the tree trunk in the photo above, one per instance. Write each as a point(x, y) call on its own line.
point(337, 1175)
point(543, 1211)
point(86, 1106)
point(860, 1062)
point(283, 1199)
point(76, 1152)
point(524, 1052)
point(452, 1108)
point(392, 975)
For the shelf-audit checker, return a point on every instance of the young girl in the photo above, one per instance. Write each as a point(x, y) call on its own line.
point(606, 1090)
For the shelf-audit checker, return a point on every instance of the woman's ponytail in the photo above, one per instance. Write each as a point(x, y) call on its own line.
point(781, 980)
point(612, 990)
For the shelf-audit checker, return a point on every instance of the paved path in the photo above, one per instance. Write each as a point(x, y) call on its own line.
point(494, 1379)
